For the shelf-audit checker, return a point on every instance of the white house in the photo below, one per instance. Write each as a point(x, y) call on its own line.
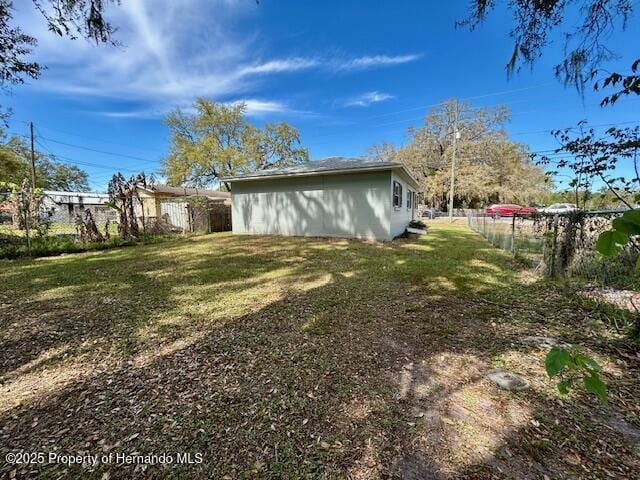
point(336, 197)
point(62, 207)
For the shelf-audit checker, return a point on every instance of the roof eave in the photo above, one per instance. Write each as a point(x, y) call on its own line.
point(201, 193)
point(323, 172)
point(306, 174)
point(415, 182)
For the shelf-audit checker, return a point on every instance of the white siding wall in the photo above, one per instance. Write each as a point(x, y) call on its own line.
point(346, 205)
point(400, 217)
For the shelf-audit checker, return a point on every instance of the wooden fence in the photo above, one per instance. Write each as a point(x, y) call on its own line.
point(219, 218)
point(190, 215)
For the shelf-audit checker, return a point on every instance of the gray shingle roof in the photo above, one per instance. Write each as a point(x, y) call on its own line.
point(330, 164)
point(188, 191)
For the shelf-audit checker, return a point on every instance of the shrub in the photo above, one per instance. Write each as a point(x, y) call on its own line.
point(417, 224)
point(616, 271)
point(52, 245)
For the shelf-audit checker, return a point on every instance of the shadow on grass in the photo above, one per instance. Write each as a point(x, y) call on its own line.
point(279, 357)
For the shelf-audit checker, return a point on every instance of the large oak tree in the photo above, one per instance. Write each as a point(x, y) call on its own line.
point(490, 168)
point(217, 141)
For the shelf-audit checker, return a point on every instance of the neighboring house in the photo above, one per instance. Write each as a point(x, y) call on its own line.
point(62, 207)
point(6, 212)
point(336, 197)
point(153, 196)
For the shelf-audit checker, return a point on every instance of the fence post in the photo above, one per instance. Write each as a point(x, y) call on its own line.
point(26, 205)
point(189, 218)
point(144, 223)
point(513, 233)
point(554, 245)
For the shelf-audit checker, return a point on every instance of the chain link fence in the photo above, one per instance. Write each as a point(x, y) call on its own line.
point(561, 245)
point(427, 213)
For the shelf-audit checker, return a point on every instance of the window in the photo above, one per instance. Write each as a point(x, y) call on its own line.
point(397, 194)
point(409, 199)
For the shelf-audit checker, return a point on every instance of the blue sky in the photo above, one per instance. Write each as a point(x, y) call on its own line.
point(347, 74)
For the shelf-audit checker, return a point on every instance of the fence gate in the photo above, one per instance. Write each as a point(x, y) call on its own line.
point(176, 214)
point(219, 218)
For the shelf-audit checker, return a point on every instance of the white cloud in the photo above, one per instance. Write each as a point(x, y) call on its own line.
point(366, 99)
point(278, 66)
point(162, 61)
point(376, 61)
point(257, 107)
point(143, 113)
point(172, 53)
point(254, 108)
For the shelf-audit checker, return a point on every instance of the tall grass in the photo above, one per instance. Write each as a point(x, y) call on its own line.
point(12, 247)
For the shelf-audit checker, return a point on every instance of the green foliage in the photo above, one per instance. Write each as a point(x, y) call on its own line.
point(584, 198)
point(571, 365)
point(490, 167)
point(218, 141)
point(593, 157)
point(593, 384)
point(12, 247)
point(113, 205)
point(627, 84)
point(609, 242)
point(626, 225)
point(622, 228)
point(72, 18)
point(15, 167)
point(617, 271)
point(556, 360)
point(585, 28)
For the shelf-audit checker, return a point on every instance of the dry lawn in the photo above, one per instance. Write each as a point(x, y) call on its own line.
point(289, 357)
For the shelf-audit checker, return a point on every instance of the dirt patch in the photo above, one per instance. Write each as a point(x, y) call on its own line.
point(623, 299)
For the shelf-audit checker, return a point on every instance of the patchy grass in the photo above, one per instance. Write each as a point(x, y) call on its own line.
point(290, 357)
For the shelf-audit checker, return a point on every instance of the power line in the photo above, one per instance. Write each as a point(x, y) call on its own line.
point(40, 137)
point(104, 152)
point(41, 141)
point(78, 162)
point(508, 133)
point(101, 140)
point(573, 128)
point(72, 145)
point(476, 97)
point(407, 120)
point(140, 159)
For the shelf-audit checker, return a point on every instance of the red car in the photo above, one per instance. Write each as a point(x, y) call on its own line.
point(508, 210)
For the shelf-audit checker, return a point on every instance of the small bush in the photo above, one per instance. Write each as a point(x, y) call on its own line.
point(617, 271)
point(53, 245)
point(417, 224)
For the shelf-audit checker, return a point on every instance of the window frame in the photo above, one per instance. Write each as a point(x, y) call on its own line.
point(397, 195)
point(409, 199)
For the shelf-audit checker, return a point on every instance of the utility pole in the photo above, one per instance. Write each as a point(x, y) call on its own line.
point(33, 159)
point(26, 204)
point(456, 136)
